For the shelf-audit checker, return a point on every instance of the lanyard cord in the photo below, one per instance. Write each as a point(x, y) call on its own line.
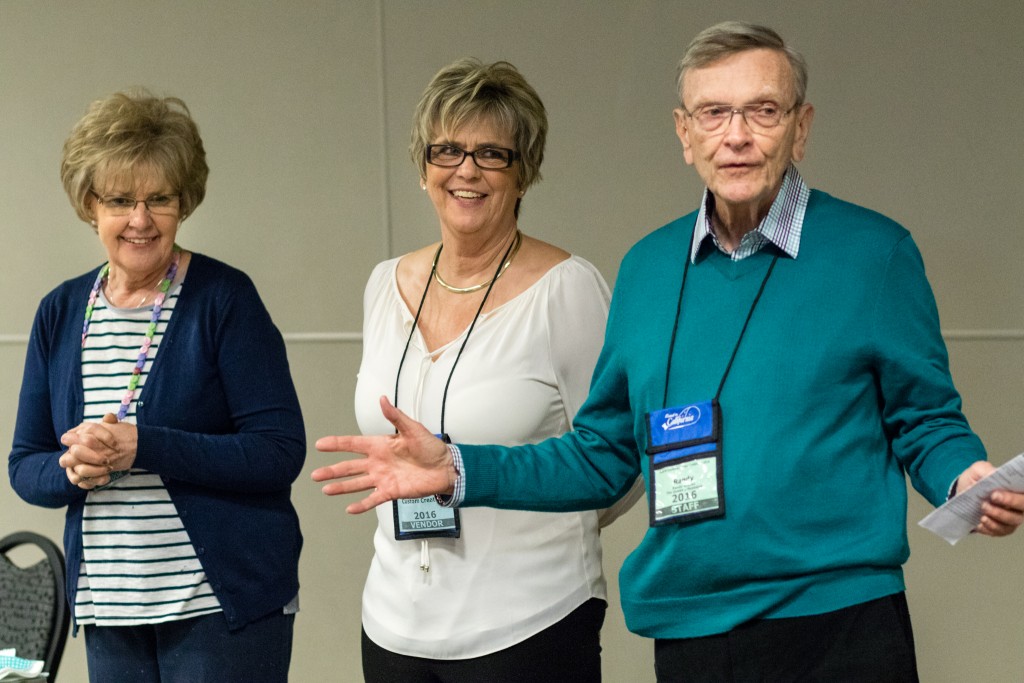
point(416, 319)
point(679, 308)
point(419, 309)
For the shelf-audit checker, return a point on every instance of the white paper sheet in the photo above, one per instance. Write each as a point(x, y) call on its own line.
point(957, 517)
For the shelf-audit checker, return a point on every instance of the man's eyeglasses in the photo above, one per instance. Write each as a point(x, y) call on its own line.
point(491, 158)
point(158, 204)
point(760, 117)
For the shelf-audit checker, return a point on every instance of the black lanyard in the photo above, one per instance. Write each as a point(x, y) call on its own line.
point(419, 309)
point(679, 308)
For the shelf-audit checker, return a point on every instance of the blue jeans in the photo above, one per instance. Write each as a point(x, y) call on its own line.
point(191, 651)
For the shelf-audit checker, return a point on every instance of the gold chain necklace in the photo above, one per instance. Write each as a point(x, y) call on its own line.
point(475, 288)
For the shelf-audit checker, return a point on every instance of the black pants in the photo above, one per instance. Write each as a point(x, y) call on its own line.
point(867, 643)
point(567, 652)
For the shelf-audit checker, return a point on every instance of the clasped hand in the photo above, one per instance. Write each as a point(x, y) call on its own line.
point(95, 449)
point(412, 463)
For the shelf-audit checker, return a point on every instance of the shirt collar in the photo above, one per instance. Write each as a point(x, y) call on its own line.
point(781, 227)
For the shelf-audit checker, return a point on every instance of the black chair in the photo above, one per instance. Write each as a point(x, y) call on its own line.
point(34, 614)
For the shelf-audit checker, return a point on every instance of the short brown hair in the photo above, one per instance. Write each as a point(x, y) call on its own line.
point(126, 130)
point(468, 89)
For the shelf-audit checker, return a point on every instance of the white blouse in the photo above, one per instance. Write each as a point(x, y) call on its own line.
point(521, 378)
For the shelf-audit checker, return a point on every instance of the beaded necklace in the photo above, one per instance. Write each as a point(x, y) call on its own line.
point(164, 286)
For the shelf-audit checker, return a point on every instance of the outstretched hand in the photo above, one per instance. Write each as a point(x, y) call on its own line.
point(1003, 511)
point(412, 463)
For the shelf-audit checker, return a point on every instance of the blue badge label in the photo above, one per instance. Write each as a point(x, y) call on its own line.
point(675, 453)
point(694, 422)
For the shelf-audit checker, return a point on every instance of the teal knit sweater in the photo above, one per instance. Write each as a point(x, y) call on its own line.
point(841, 387)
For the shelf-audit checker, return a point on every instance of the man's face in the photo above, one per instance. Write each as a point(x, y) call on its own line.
point(741, 166)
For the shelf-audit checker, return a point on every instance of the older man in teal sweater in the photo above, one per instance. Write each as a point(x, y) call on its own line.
point(797, 336)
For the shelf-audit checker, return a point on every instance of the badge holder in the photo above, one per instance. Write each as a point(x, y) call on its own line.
point(685, 463)
point(418, 518)
point(685, 444)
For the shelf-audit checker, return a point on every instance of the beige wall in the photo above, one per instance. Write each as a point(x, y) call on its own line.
point(305, 107)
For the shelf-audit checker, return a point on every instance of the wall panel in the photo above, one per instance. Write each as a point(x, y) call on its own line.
point(305, 108)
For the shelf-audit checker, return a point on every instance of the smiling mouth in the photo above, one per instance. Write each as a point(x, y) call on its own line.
point(467, 194)
point(139, 240)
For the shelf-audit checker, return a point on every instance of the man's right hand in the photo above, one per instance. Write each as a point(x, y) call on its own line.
point(410, 464)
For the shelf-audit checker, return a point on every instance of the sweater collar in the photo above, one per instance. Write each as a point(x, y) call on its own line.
point(781, 227)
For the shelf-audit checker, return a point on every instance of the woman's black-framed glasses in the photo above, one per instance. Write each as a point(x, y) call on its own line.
point(491, 158)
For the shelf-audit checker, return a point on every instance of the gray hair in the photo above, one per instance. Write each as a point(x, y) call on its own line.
point(731, 37)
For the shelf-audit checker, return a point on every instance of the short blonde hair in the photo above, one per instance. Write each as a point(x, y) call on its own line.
point(468, 90)
point(129, 132)
point(731, 37)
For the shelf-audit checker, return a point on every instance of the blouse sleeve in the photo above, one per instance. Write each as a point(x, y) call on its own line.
point(577, 313)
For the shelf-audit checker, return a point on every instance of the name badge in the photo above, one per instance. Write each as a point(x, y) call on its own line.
point(417, 518)
point(685, 451)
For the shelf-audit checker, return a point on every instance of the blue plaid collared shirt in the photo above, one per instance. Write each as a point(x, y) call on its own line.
point(781, 226)
point(459, 494)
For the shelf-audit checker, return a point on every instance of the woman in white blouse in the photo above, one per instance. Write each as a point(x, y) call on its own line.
point(489, 336)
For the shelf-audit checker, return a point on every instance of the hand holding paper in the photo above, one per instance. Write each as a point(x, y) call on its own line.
point(992, 504)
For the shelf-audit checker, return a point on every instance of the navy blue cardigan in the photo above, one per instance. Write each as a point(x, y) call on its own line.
point(219, 421)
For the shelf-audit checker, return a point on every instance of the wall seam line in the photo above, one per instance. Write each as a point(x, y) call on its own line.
point(954, 335)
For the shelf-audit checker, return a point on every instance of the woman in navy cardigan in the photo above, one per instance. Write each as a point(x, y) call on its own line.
point(158, 408)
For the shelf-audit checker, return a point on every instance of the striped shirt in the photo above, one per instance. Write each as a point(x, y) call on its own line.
point(138, 564)
point(780, 227)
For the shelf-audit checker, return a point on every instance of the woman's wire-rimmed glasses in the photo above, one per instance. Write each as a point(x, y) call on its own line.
point(157, 204)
